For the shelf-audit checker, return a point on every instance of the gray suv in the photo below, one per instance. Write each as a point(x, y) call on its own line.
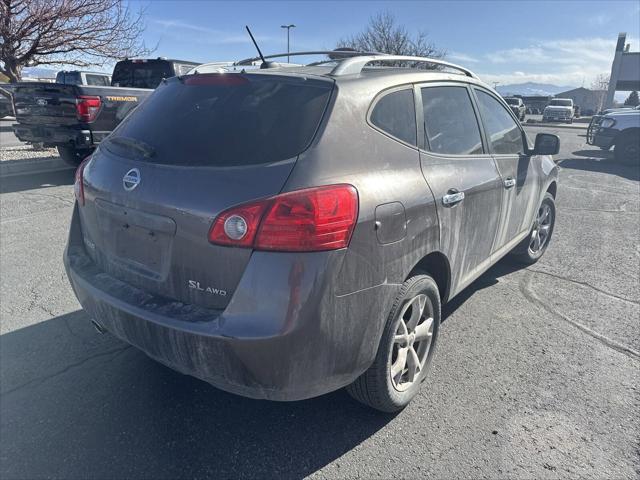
point(287, 231)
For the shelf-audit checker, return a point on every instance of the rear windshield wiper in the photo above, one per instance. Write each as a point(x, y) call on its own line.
point(145, 149)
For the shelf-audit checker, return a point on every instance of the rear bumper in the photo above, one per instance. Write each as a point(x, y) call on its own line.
point(55, 135)
point(283, 336)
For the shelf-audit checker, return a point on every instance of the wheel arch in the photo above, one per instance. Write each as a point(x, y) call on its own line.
point(436, 264)
point(625, 133)
point(553, 188)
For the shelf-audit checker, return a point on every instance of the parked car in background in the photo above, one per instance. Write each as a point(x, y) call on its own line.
point(559, 110)
point(77, 77)
point(619, 129)
point(285, 232)
point(6, 102)
point(517, 106)
point(76, 118)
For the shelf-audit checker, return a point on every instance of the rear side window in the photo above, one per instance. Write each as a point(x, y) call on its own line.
point(451, 127)
point(97, 80)
point(69, 78)
point(227, 119)
point(182, 69)
point(395, 114)
point(505, 136)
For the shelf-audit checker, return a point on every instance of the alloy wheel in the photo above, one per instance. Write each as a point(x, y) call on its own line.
point(541, 229)
point(411, 343)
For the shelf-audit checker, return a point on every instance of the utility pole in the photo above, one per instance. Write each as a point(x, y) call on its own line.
point(495, 85)
point(288, 27)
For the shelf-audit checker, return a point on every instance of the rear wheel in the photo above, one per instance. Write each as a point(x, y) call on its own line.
point(627, 148)
point(535, 244)
point(72, 155)
point(405, 350)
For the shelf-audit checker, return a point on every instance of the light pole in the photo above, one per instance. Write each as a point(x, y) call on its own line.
point(288, 27)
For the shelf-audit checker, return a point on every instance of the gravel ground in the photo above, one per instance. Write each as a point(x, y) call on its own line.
point(26, 152)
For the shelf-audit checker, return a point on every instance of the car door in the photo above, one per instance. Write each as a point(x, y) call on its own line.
point(462, 176)
point(520, 179)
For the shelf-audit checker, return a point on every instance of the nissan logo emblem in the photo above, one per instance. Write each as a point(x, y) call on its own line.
point(131, 179)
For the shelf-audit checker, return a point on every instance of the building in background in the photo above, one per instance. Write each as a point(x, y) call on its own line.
point(589, 101)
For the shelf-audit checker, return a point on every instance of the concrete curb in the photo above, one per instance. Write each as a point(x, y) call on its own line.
point(10, 168)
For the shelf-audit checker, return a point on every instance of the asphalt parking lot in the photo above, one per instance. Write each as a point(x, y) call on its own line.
point(537, 373)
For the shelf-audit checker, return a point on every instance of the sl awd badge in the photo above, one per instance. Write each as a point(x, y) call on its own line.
point(131, 179)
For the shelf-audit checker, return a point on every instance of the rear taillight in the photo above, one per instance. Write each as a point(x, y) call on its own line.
point(87, 108)
point(78, 185)
point(308, 220)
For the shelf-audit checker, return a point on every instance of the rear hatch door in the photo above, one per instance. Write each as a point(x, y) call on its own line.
point(194, 148)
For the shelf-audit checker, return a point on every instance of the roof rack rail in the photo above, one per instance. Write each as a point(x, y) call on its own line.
point(336, 54)
point(355, 64)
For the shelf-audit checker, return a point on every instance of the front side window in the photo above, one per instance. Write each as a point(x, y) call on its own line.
point(560, 103)
point(395, 114)
point(451, 127)
point(505, 137)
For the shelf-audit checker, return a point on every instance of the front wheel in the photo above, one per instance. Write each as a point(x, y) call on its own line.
point(405, 350)
point(627, 149)
point(535, 244)
point(72, 155)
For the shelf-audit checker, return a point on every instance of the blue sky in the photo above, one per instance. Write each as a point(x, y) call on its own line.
point(561, 42)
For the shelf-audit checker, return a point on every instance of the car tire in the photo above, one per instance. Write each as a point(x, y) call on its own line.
point(375, 387)
point(627, 148)
point(73, 156)
point(527, 251)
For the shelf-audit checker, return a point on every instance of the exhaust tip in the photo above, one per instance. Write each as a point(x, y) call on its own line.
point(99, 328)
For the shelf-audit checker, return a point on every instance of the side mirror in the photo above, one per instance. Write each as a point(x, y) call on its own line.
point(546, 144)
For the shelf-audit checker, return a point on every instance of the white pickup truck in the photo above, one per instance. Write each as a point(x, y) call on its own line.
point(559, 110)
point(619, 129)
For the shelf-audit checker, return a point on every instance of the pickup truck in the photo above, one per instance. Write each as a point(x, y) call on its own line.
point(559, 109)
point(76, 118)
point(517, 107)
point(619, 129)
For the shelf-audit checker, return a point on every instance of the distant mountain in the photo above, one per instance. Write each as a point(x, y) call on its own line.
point(531, 88)
point(37, 72)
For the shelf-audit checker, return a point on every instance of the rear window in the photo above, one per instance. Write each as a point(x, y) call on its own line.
point(139, 74)
point(227, 119)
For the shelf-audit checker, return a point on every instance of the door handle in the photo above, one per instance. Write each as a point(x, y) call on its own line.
point(509, 182)
point(452, 197)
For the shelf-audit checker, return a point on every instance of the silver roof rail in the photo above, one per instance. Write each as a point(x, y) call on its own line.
point(355, 64)
point(337, 55)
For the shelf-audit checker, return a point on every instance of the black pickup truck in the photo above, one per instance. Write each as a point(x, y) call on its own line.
point(76, 118)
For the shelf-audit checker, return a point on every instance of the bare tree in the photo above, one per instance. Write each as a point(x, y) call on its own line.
point(384, 35)
point(600, 82)
point(74, 32)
